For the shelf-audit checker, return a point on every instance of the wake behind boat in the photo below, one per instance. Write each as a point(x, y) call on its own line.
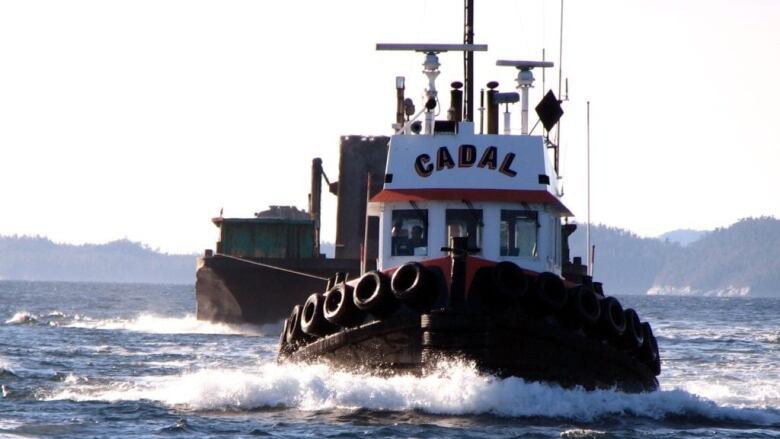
point(473, 258)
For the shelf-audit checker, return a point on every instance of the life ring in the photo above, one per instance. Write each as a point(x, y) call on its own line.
point(548, 293)
point(373, 295)
point(339, 307)
point(633, 336)
point(582, 308)
point(509, 283)
point(612, 321)
point(415, 286)
point(313, 320)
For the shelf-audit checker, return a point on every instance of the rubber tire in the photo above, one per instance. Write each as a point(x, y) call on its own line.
point(414, 285)
point(373, 295)
point(509, 283)
point(339, 307)
point(295, 335)
point(313, 320)
point(548, 294)
point(612, 321)
point(648, 352)
point(582, 308)
point(633, 336)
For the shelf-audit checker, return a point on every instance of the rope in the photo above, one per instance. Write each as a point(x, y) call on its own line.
point(274, 267)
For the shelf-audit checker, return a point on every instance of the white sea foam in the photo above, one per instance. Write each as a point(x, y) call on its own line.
point(582, 433)
point(187, 324)
point(760, 391)
point(453, 389)
point(21, 318)
point(5, 364)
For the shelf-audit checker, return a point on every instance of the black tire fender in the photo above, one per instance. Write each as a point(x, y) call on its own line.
point(294, 334)
point(312, 317)
point(612, 321)
point(339, 307)
point(548, 293)
point(582, 308)
point(633, 336)
point(414, 285)
point(648, 352)
point(373, 295)
point(509, 282)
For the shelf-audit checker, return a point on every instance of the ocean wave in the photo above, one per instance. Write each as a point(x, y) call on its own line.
point(6, 368)
point(144, 322)
point(188, 324)
point(21, 318)
point(451, 389)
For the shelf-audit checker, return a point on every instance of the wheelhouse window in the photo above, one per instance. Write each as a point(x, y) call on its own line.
point(519, 233)
point(409, 232)
point(465, 222)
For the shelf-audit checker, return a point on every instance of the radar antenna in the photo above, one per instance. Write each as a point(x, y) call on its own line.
point(525, 80)
point(431, 69)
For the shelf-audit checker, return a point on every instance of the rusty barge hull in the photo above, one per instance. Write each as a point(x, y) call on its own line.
point(230, 290)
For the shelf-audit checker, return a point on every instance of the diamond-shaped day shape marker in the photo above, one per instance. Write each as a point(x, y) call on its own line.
point(549, 110)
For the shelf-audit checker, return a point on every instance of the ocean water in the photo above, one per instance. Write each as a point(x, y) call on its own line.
point(110, 360)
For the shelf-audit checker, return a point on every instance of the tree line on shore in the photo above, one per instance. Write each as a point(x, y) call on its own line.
point(742, 257)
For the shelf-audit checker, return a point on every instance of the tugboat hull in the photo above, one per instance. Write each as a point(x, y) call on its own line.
point(512, 323)
point(532, 349)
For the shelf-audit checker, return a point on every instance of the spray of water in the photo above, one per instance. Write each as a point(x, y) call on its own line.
point(453, 388)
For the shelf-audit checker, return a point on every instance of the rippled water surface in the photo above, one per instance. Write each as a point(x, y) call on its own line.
point(108, 360)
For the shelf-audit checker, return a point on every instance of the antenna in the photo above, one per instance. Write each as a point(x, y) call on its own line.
point(544, 87)
point(431, 69)
point(560, 76)
point(587, 230)
point(525, 80)
point(468, 61)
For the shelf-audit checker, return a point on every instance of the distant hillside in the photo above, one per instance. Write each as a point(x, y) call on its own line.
point(624, 262)
point(37, 258)
point(743, 259)
point(683, 236)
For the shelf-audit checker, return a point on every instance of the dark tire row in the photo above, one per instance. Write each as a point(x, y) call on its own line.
point(504, 287)
point(344, 306)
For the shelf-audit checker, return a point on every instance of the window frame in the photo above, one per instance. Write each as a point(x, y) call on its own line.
point(473, 218)
point(402, 242)
point(510, 249)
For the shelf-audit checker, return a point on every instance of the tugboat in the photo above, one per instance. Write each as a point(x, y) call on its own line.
point(473, 258)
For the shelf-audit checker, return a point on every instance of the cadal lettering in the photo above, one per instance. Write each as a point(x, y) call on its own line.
point(466, 157)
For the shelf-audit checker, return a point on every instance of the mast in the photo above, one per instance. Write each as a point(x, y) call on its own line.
point(590, 247)
point(468, 61)
point(560, 96)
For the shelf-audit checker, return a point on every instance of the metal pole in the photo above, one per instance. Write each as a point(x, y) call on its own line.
point(468, 61)
point(560, 97)
point(590, 248)
point(315, 204)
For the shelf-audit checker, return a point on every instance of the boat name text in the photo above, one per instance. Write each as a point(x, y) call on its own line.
point(467, 157)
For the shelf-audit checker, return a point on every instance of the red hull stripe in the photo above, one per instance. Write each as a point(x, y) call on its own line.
point(503, 195)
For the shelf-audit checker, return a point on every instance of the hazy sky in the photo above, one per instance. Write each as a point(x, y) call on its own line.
point(141, 119)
